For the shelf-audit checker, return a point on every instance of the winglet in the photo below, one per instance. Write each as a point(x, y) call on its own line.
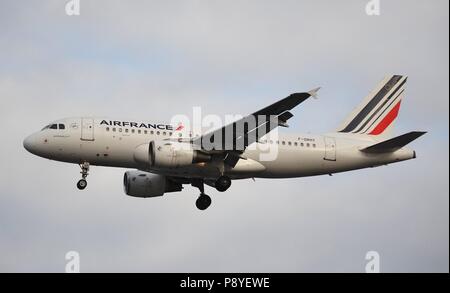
point(313, 93)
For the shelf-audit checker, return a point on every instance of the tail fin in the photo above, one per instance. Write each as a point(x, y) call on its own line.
point(393, 144)
point(377, 113)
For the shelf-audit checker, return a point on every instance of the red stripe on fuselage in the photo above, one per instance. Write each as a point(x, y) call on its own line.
point(387, 120)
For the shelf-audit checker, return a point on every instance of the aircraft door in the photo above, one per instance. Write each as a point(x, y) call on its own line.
point(330, 149)
point(87, 129)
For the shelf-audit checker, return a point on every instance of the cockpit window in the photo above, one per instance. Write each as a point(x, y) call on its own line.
point(55, 126)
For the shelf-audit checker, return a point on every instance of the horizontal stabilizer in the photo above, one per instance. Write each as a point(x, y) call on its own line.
point(393, 144)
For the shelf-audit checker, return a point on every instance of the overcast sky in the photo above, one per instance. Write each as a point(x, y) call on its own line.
point(149, 60)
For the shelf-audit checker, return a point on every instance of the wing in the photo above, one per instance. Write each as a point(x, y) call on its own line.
point(232, 139)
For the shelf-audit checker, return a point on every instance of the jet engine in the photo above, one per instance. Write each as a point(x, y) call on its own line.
point(144, 184)
point(168, 154)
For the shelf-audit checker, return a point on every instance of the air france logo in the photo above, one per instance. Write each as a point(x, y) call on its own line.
point(137, 125)
point(179, 127)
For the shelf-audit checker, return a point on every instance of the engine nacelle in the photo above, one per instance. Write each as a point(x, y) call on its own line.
point(168, 154)
point(144, 184)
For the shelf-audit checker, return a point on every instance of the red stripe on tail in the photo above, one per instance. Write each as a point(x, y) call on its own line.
point(390, 117)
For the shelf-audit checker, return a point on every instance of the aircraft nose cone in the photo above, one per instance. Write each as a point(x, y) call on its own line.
point(29, 143)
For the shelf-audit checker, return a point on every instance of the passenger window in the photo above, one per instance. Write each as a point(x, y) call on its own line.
point(295, 144)
point(289, 143)
point(302, 144)
point(139, 131)
point(120, 129)
point(307, 145)
point(145, 131)
point(126, 130)
point(107, 128)
point(132, 130)
point(283, 142)
point(157, 133)
point(151, 132)
point(114, 129)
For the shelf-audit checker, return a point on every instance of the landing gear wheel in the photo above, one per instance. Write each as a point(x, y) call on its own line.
point(84, 173)
point(223, 183)
point(82, 184)
point(203, 202)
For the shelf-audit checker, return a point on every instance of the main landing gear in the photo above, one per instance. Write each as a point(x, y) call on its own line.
point(222, 183)
point(84, 173)
point(203, 201)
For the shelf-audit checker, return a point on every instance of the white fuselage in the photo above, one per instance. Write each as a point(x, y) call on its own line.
point(298, 155)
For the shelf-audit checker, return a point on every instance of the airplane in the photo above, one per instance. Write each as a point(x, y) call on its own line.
point(164, 157)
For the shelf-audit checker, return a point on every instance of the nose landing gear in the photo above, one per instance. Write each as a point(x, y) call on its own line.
point(82, 183)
